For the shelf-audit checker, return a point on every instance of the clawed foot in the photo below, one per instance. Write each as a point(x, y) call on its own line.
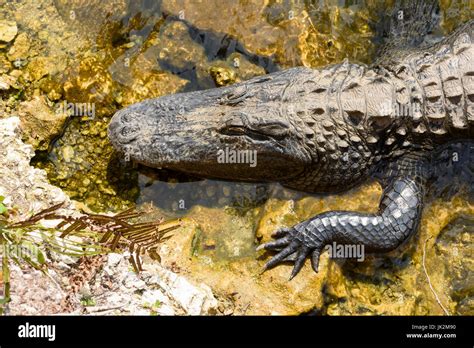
point(289, 241)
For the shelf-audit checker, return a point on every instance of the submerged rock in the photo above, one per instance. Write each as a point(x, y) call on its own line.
point(218, 247)
point(20, 49)
point(8, 30)
point(40, 123)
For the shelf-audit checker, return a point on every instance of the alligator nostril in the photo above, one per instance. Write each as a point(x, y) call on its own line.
point(129, 131)
point(129, 117)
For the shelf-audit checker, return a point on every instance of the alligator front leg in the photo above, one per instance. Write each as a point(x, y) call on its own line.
point(398, 217)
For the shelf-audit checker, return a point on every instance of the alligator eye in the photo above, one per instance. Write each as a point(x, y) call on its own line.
point(233, 130)
point(257, 130)
point(276, 130)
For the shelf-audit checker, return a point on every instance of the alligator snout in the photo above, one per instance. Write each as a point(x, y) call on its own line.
point(124, 127)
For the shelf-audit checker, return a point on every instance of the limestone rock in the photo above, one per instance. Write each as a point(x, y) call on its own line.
point(33, 293)
point(22, 185)
point(162, 291)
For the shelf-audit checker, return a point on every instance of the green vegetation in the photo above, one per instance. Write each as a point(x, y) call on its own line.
point(153, 307)
point(87, 301)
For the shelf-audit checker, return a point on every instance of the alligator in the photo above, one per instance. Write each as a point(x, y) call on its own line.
point(326, 131)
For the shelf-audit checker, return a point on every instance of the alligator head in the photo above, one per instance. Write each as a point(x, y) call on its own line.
point(237, 132)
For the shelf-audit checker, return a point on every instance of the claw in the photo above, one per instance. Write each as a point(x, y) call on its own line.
point(315, 259)
point(274, 245)
point(282, 232)
point(290, 249)
point(300, 259)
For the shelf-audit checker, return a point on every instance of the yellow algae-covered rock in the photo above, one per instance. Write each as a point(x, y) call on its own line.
point(218, 248)
point(8, 30)
point(42, 66)
point(96, 19)
point(20, 48)
point(90, 82)
point(39, 122)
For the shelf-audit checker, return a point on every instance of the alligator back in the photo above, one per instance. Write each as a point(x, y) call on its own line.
point(434, 89)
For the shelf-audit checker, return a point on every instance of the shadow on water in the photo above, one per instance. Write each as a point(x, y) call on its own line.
point(177, 192)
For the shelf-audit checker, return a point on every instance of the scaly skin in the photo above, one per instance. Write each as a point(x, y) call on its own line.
point(323, 130)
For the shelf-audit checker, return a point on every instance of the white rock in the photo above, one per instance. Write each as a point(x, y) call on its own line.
point(194, 300)
point(151, 296)
point(165, 310)
point(114, 259)
point(25, 186)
